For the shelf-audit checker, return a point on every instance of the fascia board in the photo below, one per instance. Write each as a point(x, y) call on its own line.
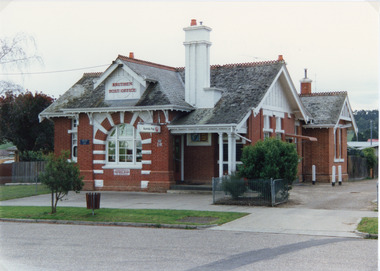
point(127, 108)
point(106, 73)
point(137, 77)
point(294, 93)
point(180, 129)
point(257, 109)
point(347, 102)
point(238, 127)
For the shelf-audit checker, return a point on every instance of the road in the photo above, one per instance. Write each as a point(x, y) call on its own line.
point(46, 247)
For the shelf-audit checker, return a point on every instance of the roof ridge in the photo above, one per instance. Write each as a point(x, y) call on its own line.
point(331, 93)
point(91, 74)
point(243, 64)
point(143, 62)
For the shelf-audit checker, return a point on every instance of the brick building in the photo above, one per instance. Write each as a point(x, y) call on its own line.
point(144, 126)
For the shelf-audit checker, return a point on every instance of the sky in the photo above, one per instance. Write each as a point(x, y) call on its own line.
point(338, 42)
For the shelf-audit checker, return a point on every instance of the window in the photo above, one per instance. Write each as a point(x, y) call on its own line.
point(74, 140)
point(267, 130)
point(124, 145)
point(338, 145)
point(279, 130)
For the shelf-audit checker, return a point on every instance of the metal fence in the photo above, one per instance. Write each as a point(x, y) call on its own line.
point(257, 192)
point(27, 172)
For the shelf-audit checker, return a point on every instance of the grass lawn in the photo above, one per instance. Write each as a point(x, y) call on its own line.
point(20, 191)
point(158, 217)
point(368, 225)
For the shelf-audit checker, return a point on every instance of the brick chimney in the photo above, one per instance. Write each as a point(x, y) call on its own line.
point(305, 85)
point(197, 66)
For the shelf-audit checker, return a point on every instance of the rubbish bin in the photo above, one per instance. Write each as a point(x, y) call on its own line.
point(93, 201)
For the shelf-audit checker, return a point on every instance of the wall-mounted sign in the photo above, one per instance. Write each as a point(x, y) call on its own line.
point(84, 142)
point(199, 139)
point(149, 128)
point(122, 171)
point(122, 87)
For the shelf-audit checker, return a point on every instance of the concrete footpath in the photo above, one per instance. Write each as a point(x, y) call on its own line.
point(292, 218)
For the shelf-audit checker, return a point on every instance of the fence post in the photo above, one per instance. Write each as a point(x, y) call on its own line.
point(333, 176)
point(273, 192)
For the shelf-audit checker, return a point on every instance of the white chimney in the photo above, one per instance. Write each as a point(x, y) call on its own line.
point(197, 67)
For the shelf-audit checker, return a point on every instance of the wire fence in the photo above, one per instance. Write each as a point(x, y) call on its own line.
point(257, 192)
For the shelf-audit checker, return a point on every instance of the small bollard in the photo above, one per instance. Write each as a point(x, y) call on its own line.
point(313, 174)
point(340, 175)
point(333, 176)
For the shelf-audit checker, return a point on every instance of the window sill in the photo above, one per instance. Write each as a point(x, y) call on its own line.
point(267, 130)
point(338, 160)
point(127, 166)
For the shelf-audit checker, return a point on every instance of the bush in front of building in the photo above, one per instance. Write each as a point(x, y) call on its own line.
point(271, 158)
point(61, 176)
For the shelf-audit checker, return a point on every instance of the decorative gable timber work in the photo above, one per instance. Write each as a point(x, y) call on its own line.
point(282, 97)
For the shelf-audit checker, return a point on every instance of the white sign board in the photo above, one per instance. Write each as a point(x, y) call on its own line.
point(121, 89)
point(149, 128)
point(122, 171)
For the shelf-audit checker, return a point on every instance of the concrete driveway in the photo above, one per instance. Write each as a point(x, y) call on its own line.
point(312, 210)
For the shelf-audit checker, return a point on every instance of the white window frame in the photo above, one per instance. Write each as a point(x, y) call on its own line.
point(136, 140)
point(266, 128)
point(338, 145)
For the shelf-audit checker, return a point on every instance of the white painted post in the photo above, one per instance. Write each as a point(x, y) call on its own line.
point(333, 176)
point(313, 174)
point(340, 175)
point(229, 153)
point(233, 169)
point(220, 155)
point(182, 157)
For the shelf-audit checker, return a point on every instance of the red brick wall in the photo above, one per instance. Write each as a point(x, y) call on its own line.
point(321, 154)
point(255, 127)
point(201, 162)
point(62, 139)
point(85, 157)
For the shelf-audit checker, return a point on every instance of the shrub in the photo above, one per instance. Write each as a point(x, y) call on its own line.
point(369, 154)
point(268, 159)
point(27, 156)
point(234, 185)
point(61, 176)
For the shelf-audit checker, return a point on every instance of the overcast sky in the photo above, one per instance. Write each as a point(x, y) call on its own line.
point(337, 41)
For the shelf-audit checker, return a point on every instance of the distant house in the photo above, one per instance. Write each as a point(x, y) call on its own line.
point(144, 126)
point(361, 145)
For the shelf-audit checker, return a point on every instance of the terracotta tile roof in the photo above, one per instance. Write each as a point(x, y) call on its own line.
point(92, 74)
point(332, 93)
point(147, 63)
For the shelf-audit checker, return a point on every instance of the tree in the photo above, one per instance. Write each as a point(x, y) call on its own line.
point(17, 52)
point(363, 120)
point(369, 154)
point(271, 158)
point(61, 176)
point(19, 122)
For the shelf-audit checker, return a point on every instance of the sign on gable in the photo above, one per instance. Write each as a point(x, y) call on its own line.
point(121, 86)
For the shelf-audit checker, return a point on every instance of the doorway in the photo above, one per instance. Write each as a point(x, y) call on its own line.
point(178, 156)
